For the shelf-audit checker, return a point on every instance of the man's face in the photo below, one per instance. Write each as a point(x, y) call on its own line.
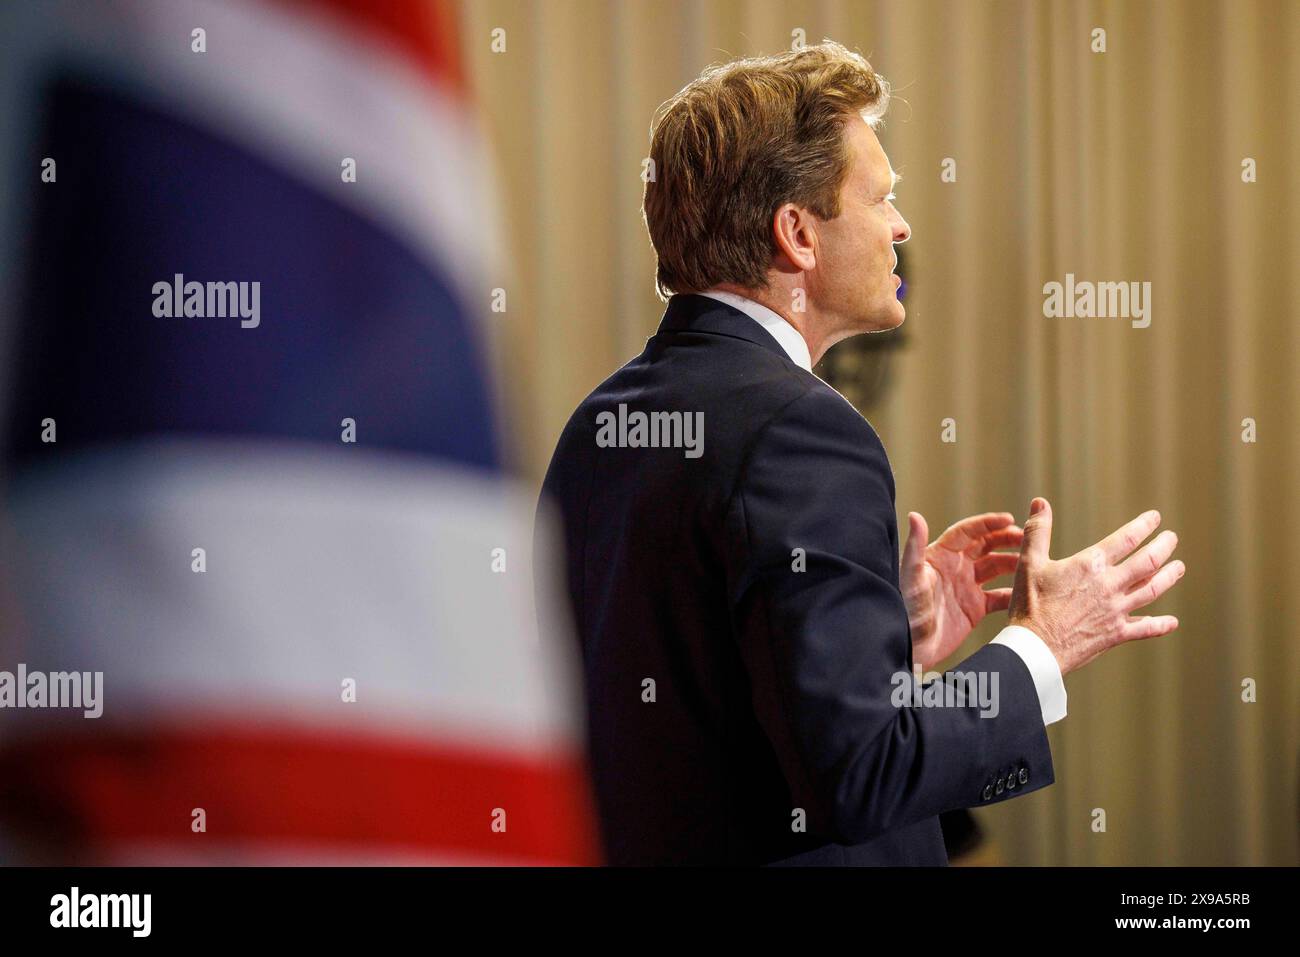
point(854, 278)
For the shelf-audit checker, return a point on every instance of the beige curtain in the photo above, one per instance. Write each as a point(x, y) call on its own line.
point(1117, 166)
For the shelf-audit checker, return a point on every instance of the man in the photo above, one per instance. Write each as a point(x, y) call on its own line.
point(731, 543)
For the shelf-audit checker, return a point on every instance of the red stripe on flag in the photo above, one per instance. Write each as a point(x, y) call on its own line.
point(81, 793)
point(423, 30)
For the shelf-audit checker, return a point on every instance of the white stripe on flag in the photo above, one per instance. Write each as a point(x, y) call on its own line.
point(321, 566)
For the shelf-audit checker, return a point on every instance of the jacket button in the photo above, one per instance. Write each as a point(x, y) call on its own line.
point(998, 788)
point(1024, 775)
point(988, 791)
point(1011, 781)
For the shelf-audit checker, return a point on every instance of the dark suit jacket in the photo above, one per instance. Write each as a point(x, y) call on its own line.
point(771, 698)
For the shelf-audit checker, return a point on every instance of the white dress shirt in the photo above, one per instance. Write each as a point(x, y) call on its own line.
point(1033, 651)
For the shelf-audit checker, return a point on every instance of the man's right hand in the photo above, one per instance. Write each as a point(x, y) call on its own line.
point(1081, 606)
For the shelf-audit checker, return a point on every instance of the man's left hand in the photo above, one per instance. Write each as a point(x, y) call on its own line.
point(941, 582)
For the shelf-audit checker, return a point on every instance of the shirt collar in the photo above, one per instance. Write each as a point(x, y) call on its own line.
point(786, 335)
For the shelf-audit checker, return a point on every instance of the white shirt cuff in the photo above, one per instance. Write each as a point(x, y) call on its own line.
point(1043, 669)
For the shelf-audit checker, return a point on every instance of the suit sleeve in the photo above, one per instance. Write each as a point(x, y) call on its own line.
point(812, 553)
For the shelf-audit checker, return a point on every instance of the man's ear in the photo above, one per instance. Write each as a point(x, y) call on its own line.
point(795, 232)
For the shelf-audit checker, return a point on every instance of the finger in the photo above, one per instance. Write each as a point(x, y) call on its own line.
point(1127, 537)
point(1011, 537)
point(1148, 626)
point(997, 599)
point(1038, 531)
point(1145, 562)
point(999, 563)
point(1152, 588)
point(918, 536)
point(970, 530)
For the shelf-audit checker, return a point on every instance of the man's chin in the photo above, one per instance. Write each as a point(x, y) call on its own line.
point(889, 318)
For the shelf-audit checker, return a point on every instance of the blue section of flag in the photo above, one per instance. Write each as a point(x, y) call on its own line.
point(352, 324)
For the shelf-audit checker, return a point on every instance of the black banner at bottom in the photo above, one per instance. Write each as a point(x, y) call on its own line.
point(114, 906)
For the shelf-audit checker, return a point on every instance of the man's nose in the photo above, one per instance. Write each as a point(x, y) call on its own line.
point(902, 231)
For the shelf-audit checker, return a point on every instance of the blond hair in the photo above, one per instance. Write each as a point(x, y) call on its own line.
point(739, 141)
